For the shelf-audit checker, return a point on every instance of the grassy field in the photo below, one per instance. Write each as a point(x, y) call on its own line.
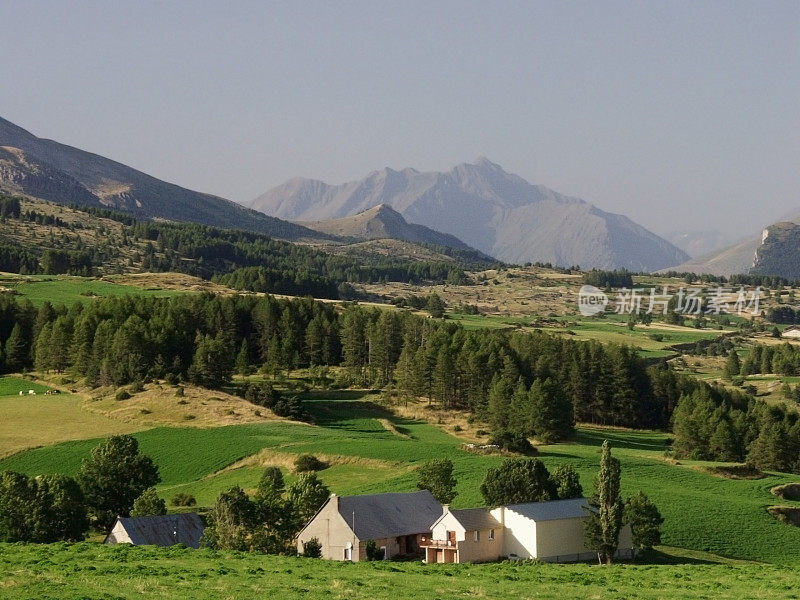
point(655, 340)
point(40, 420)
point(702, 512)
point(69, 290)
point(116, 572)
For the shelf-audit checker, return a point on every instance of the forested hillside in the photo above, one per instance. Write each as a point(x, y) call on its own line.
point(522, 384)
point(38, 237)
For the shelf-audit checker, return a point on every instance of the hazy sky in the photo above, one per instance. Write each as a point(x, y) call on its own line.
point(678, 114)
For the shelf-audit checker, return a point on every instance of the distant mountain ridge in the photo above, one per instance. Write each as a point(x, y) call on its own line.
point(60, 173)
point(742, 256)
point(496, 212)
point(383, 221)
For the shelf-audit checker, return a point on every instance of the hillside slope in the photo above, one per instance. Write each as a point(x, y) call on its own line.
point(496, 212)
point(383, 221)
point(779, 251)
point(53, 171)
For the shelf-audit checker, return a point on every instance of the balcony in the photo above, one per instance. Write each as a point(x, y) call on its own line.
point(444, 544)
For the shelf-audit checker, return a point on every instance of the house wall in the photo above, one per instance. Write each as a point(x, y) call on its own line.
point(519, 535)
point(333, 533)
point(447, 523)
point(484, 550)
point(561, 540)
point(118, 535)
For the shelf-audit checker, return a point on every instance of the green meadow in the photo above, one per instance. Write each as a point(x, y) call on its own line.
point(68, 290)
point(702, 512)
point(116, 572)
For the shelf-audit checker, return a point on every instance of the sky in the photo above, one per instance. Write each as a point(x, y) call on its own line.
point(683, 115)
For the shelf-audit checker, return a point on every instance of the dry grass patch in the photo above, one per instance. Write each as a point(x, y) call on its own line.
point(786, 514)
point(158, 405)
point(170, 281)
point(458, 423)
point(787, 491)
point(269, 457)
point(749, 472)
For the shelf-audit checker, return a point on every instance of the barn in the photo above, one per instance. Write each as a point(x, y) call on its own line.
point(548, 531)
point(159, 530)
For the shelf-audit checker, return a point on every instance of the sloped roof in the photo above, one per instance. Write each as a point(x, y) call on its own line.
point(555, 509)
point(164, 530)
point(475, 519)
point(379, 516)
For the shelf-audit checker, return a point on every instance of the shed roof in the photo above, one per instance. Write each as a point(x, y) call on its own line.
point(377, 516)
point(475, 519)
point(554, 509)
point(164, 530)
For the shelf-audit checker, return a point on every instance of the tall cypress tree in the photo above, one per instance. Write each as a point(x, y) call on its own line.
point(604, 521)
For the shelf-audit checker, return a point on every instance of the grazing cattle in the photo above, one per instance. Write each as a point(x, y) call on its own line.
point(31, 393)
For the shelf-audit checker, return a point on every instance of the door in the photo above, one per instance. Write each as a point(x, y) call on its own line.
point(451, 537)
point(348, 554)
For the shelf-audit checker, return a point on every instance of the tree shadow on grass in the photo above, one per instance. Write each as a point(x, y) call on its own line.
point(632, 440)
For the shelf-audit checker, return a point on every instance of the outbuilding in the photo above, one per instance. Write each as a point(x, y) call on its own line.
point(158, 530)
point(547, 531)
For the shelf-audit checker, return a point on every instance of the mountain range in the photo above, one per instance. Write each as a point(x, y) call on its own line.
point(60, 173)
point(496, 212)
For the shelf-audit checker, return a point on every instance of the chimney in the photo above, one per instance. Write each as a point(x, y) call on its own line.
point(445, 509)
point(335, 500)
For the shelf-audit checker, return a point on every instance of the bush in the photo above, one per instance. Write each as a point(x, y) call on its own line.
point(513, 442)
point(122, 395)
point(136, 387)
point(312, 548)
point(373, 552)
point(172, 379)
point(183, 499)
point(306, 463)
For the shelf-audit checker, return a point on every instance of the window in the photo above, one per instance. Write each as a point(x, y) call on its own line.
point(477, 536)
point(491, 534)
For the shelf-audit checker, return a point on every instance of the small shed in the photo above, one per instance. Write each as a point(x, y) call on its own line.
point(158, 530)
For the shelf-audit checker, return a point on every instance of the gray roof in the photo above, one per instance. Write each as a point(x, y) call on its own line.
point(379, 516)
point(552, 510)
point(475, 519)
point(164, 530)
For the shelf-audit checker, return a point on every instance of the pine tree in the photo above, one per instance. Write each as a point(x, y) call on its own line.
point(16, 349)
point(722, 445)
point(604, 520)
point(243, 359)
point(733, 365)
point(44, 360)
point(553, 417)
